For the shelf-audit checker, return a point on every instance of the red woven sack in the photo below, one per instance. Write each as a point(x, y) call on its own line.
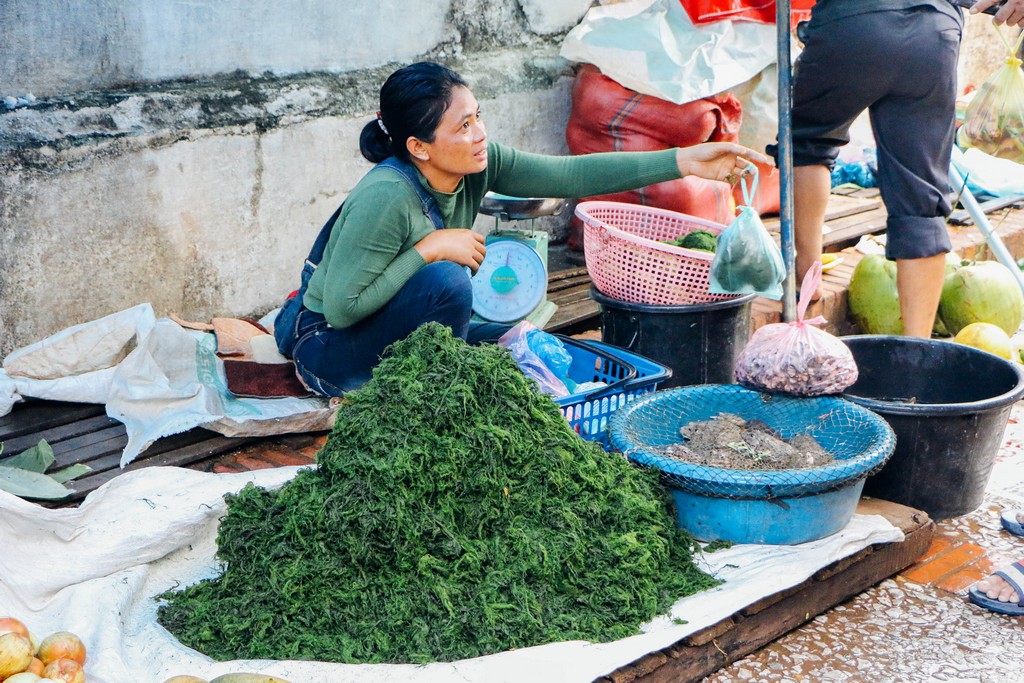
point(761, 11)
point(608, 117)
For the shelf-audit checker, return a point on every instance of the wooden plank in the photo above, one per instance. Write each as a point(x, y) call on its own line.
point(35, 416)
point(847, 231)
point(875, 216)
point(103, 455)
point(91, 449)
point(60, 433)
point(567, 274)
point(701, 654)
point(573, 314)
point(839, 206)
point(556, 290)
point(206, 445)
point(575, 296)
point(569, 289)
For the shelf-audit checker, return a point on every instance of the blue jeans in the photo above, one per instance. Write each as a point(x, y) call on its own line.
point(332, 361)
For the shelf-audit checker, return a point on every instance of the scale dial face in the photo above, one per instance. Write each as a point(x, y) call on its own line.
point(510, 283)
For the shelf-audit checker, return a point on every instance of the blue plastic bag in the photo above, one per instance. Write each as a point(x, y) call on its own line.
point(541, 356)
point(747, 260)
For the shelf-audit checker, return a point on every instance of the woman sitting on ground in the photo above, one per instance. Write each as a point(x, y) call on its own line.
point(386, 269)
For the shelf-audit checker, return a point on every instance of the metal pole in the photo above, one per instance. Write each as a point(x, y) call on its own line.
point(785, 161)
point(995, 242)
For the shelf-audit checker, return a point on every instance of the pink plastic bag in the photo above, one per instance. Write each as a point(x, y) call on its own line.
point(797, 358)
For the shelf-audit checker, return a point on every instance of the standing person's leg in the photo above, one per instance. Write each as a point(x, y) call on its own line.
point(812, 186)
point(834, 80)
point(919, 287)
point(332, 361)
point(913, 128)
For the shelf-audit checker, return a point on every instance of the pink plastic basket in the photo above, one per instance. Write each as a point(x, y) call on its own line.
point(627, 261)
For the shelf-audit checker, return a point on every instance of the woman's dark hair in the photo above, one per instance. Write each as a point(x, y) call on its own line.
point(412, 102)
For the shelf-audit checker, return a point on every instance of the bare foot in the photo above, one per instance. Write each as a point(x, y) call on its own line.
point(997, 588)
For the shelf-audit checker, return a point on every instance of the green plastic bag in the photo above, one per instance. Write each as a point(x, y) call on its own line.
point(747, 260)
point(994, 121)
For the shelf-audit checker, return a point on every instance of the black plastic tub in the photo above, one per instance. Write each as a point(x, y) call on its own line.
point(948, 405)
point(699, 342)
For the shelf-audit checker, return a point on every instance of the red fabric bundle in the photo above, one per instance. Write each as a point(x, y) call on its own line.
point(762, 11)
point(607, 117)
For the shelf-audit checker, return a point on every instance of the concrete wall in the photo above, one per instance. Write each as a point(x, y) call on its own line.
point(185, 153)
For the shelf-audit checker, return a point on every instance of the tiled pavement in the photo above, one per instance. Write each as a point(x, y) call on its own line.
point(283, 451)
point(918, 627)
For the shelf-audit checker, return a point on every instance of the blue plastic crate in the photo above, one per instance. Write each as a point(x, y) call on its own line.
point(627, 376)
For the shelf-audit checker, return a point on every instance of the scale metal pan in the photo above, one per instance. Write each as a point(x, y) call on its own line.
point(519, 208)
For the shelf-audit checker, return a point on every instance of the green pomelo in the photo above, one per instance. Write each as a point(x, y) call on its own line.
point(985, 292)
point(953, 262)
point(871, 296)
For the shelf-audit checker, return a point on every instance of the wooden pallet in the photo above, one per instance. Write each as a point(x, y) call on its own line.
point(851, 214)
point(570, 290)
point(82, 433)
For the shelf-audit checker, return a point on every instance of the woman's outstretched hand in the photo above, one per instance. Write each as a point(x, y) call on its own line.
point(458, 245)
point(723, 161)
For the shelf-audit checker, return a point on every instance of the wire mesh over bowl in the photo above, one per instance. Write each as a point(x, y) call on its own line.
point(757, 506)
point(627, 259)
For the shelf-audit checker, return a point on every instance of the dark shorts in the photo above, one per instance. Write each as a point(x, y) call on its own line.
point(900, 65)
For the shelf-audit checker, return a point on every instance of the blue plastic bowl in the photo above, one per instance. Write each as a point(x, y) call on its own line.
point(758, 506)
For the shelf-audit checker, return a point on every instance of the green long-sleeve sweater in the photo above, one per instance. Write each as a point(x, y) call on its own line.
point(370, 254)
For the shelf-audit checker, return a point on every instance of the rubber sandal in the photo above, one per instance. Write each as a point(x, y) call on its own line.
point(1014, 575)
point(1010, 522)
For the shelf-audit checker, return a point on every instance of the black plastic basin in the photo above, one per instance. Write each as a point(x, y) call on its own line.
point(948, 405)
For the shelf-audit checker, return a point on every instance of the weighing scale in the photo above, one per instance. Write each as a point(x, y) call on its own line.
point(512, 282)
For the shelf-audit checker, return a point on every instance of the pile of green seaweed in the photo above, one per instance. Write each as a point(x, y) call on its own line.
point(453, 514)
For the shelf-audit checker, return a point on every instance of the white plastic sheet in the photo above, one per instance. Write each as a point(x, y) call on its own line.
point(94, 570)
point(76, 364)
point(989, 175)
point(154, 376)
point(652, 47)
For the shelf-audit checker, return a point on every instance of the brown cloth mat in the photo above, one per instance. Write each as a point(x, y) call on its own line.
point(263, 380)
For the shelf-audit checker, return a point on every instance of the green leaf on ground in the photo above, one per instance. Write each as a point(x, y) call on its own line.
point(35, 459)
point(68, 473)
point(28, 484)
